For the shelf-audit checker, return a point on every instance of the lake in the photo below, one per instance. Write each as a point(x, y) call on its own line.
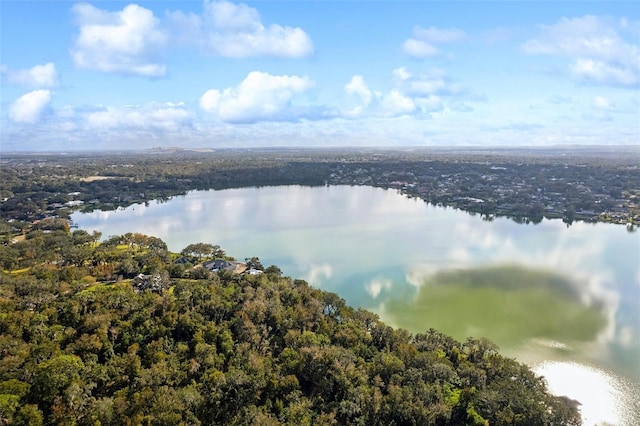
point(565, 300)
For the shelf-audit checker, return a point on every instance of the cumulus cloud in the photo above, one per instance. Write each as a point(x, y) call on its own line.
point(236, 31)
point(358, 87)
point(28, 108)
point(412, 94)
point(259, 97)
point(37, 76)
point(425, 41)
point(126, 42)
point(397, 103)
point(597, 46)
point(375, 103)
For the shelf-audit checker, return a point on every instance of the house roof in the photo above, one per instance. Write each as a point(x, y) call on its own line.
point(218, 264)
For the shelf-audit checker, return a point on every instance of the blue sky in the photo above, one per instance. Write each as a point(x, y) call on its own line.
point(114, 75)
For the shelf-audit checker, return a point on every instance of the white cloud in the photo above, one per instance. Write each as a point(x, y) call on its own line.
point(29, 107)
point(259, 97)
point(432, 82)
point(587, 35)
point(37, 76)
point(601, 109)
point(127, 42)
point(393, 104)
point(236, 30)
point(625, 336)
point(439, 35)
point(412, 94)
point(235, 17)
point(601, 72)
point(597, 47)
point(319, 273)
point(601, 102)
point(425, 40)
point(154, 116)
point(397, 103)
point(358, 87)
point(375, 286)
point(419, 48)
point(401, 74)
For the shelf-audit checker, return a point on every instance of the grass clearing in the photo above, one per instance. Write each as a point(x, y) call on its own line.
point(95, 178)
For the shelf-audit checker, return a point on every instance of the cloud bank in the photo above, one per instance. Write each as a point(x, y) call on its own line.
point(598, 48)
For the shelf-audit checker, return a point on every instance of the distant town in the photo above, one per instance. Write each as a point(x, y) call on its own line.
point(523, 189)
point(595, 184)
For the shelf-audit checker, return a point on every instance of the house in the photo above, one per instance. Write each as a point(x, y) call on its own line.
point(155, 282)
point(219, 265)
point(254, 271)
point(225, 265)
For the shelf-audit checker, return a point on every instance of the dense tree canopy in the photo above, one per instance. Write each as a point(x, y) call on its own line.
point(81, 344)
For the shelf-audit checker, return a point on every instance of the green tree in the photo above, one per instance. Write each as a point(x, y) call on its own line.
point(54, 376)
point(200, 251)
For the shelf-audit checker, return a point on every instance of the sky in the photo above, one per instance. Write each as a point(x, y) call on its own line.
point(220, 74)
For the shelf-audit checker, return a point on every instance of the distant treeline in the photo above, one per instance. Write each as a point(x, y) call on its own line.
point(522, 185)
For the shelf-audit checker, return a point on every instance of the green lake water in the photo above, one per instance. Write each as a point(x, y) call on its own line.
point(511, 304)
point(565, 300)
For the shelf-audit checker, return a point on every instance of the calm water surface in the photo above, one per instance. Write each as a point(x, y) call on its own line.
point(565, 300)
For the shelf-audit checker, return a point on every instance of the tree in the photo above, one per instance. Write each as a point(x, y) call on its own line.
point(28, 415)
point(229, 348)
point(55, 375)
point(9, 257)
point(253, 263)
point(199, 251)
point(568, 215)
point(273, 270)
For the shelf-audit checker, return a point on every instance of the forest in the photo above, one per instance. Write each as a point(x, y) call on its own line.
point(84, 341)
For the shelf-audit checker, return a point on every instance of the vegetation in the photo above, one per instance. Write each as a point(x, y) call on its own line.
point(598, 184)
point(81, 344)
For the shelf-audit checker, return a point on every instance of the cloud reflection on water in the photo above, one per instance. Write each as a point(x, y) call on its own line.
point(360, 241)
point(318, 274)
point(576, 253)
point(377, 285)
